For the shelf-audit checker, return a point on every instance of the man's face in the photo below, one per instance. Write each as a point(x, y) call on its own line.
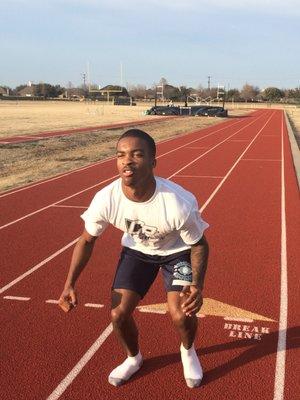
point(134, 161)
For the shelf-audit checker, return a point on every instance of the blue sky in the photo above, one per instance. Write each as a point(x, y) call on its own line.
point(184, 41)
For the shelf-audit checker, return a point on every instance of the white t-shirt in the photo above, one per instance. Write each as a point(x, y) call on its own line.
point(167, 223)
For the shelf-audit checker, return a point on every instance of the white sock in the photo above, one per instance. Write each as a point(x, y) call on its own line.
point(192, 369)
point(125, 370)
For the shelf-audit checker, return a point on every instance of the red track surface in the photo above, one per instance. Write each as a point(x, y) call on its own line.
point(235, 170)
point(49, 134)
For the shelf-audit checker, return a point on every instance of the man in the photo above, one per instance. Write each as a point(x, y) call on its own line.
point(162, 230)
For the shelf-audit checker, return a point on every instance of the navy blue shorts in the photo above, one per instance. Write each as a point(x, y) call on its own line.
point(137, 271)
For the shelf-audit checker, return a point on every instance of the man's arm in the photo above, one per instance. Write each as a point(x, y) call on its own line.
point(81, 255)
point(199, 259)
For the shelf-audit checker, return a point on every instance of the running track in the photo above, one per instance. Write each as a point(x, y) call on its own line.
point(50, 134)
point(242, 174)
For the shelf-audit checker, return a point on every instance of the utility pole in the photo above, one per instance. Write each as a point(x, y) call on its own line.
point(208, 83)
point(84, 80)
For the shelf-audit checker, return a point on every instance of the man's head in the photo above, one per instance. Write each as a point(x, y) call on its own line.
point(136, 157)
point(137, 133)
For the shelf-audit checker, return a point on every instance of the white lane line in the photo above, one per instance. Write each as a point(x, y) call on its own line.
point(63, 206)
point(199, 176)
point(281, 345)
point(18, 298)
point(36, 267)
point(104, 161)
point(50, 301)
point(259, 159)
point(94, 305)
point(238, 319)
point(4, 142)
point(239, 140)
point(81, 364)
point(232, 168)
point(115, 176)
point(194, 147)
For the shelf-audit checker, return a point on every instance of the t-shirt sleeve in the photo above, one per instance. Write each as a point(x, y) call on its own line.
point(193, 228)
point(95, 217)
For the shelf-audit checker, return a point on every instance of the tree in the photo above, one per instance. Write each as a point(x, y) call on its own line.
point(249, 92)
point(272, 94)
point(233, 95)
point(162, 81)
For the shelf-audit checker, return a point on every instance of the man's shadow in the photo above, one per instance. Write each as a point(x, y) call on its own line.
point(259, 349)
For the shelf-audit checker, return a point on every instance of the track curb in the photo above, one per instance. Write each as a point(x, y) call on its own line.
point(294, 148)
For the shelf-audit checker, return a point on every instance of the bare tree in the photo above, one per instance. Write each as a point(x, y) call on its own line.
point(249, 92)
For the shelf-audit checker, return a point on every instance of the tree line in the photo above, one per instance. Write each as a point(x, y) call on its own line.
point(248, 93)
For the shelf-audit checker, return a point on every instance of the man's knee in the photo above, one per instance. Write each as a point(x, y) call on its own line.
point(178, 318)
point(119, 316)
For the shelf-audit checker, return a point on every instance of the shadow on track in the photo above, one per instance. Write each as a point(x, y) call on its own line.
point(258, 350)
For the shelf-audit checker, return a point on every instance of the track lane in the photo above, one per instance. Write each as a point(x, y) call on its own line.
point(226, 362)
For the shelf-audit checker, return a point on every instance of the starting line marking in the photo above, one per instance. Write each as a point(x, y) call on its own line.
point(93, 305)
point(16, 298)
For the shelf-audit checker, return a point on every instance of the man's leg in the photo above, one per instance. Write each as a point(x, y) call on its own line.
point(123, 304)
point(187, 328)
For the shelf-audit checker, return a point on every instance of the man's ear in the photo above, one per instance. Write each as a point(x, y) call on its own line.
point(154, 163)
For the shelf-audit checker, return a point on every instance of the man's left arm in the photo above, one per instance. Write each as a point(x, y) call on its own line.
point(193, 292)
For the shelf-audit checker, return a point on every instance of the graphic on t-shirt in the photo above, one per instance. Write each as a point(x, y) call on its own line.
point(141, 232)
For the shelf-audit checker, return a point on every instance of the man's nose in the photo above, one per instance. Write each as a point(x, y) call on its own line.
point(127, 159)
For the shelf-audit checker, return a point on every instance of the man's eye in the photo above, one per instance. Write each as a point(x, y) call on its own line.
point(119, 155)
point(138, 154)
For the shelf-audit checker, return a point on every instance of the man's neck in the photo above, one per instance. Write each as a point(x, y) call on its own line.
point(142, 193)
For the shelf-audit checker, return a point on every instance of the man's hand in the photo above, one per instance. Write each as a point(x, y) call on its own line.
point(193, 301)
point(68, 299)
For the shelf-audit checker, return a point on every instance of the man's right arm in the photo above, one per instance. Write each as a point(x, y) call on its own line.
point(81, 255)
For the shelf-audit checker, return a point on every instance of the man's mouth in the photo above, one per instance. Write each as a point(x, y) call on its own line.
point(127, 172)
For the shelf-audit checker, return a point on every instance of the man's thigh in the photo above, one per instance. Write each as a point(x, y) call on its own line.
point(177, 272)
point(134, 274)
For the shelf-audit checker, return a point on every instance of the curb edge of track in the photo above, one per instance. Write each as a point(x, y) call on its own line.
point(294, 148)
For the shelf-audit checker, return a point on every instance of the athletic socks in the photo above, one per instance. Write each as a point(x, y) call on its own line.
point(125, 371)
point(192, 369)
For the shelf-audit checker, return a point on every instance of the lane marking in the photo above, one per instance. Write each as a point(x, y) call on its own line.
point(94, 305)
point(50, 301)
point(106, 160)
point(81, 364)
point(232, 168)
point(18, 298)
point(199, 176)
point(63, 206)
point(194, 147)
point(281, 345)
point(36, 267)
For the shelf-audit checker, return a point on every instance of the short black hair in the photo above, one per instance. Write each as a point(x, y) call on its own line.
point(141, 135)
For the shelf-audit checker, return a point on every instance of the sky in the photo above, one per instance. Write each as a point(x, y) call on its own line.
point(140, 41)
